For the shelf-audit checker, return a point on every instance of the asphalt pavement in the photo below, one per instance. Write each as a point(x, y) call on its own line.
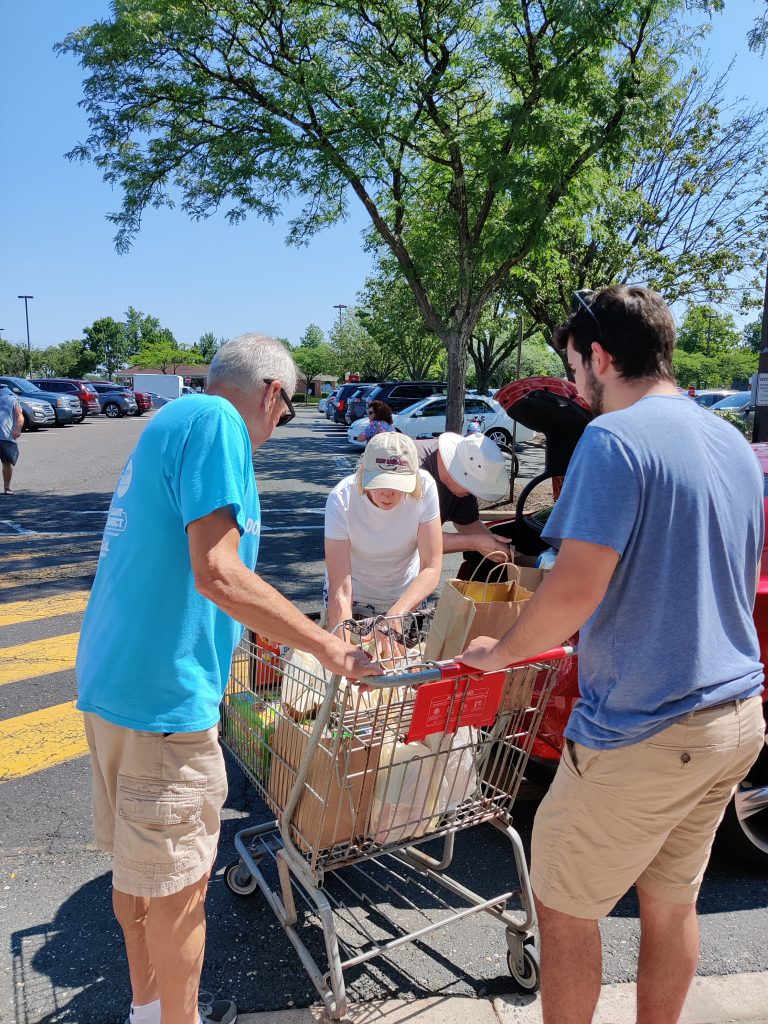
point(63, 957)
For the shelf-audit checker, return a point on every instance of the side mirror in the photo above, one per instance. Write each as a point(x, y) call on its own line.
point(417, 414)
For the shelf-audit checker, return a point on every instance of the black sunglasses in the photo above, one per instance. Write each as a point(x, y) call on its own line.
point(287, 416)
point(586, 307)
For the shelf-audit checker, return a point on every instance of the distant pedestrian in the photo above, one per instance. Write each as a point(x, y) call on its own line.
point(379, 421)
point(11, 422)
point(187, 505)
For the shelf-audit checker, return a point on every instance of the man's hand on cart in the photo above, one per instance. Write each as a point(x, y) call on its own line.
point(485, 653)
point(347, 660)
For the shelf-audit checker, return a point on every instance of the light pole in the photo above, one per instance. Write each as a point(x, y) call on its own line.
point(709, 318)
point(340, 306)
point(29, 346)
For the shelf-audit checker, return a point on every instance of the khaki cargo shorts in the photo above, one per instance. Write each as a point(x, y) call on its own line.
point(644, 814)
point(157, 802)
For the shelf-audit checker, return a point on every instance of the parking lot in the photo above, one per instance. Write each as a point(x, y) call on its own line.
point(64, 959)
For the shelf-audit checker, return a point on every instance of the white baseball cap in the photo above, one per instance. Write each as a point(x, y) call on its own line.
point(475, 463)
point(391, 461)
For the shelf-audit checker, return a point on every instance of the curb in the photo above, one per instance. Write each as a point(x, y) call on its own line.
point(728, 999)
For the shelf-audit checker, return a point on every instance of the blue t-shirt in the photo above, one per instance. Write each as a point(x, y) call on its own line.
point(678, 493)
point(154, 653)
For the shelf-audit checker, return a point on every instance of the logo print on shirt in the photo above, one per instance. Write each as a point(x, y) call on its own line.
point(253, 526)
point(117, 521)
point(125, 479)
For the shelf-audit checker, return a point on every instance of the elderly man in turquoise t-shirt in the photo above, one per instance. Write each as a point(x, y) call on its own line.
point(185, 514)
point(660, 530)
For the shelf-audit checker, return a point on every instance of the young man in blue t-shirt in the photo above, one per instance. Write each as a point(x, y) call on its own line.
point(660, 530)
point(185, 516)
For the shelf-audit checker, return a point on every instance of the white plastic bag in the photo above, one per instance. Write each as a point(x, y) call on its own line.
point(406, 793)
point(456, 767)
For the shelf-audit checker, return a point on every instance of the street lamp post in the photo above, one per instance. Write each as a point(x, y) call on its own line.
point(340, 306)
point(29, 346)
point(710, 317)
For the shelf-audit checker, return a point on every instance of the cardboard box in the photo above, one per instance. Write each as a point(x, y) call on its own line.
point(335, 806)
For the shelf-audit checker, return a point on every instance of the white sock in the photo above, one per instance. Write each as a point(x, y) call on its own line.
point(147, 1013)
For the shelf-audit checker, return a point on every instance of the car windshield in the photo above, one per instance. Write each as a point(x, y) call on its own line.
point(26, 386)
point(733, 401)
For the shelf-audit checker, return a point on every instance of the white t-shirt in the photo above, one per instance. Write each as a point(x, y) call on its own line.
point(383, 542)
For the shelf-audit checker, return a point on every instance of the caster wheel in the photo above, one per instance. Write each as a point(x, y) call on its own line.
point(529, 978)
point(239, 880)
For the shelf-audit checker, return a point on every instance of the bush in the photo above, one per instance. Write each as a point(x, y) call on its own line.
point(738, 421)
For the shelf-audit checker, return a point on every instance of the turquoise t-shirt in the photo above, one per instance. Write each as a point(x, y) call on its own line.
point(154, 654)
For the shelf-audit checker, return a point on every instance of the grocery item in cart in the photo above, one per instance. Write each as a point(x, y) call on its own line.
point(406, 794)
point(249, 725)
point(335, 802)
point(456, 766)
point(467, 609)
point(302, 685)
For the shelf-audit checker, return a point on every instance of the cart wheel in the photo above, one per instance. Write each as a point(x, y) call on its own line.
point(239, 879)
point(529, 978)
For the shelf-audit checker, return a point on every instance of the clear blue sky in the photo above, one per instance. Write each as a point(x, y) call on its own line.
point(57, 244)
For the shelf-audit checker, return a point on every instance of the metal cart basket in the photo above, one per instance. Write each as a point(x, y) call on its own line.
point(359, 777)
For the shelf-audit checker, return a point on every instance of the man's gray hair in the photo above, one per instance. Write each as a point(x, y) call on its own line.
point(250, 359)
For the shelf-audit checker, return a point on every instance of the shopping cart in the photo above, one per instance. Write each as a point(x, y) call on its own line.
point(361, 776)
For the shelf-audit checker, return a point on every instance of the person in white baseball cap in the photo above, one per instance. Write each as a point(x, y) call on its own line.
point(465, 469)
point(383, 542)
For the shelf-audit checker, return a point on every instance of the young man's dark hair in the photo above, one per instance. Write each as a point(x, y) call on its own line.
point(634, 325)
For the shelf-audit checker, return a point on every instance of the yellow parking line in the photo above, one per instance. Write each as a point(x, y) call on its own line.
point(43, 607)
point(40, 739)
point(27, 577)
point(38, 658)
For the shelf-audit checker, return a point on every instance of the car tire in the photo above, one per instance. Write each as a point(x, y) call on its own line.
point(112, 410)
point(81, 418)
point(29, 426)
point(498, 435)
point(744, 830)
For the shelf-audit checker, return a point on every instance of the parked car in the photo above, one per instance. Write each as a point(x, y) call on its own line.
point(322, 403)
point(330, 404)
point(708, 396)
point(740, 404)
point(36, 413)
point(400, 394)
point(427, 419)
point(358, 403)
point(143, 400)
point(116, 401)
point(343, 394)
point(66, 407)
point(82, 389)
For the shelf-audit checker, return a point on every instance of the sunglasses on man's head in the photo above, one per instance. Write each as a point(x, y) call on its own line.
point(287, 416)
point(586, 307)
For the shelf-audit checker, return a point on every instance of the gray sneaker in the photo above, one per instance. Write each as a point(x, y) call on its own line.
point(216, 1011)
point(212, 1011)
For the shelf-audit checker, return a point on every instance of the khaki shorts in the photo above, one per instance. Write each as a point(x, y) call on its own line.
point(156, 804)
point(644, 814)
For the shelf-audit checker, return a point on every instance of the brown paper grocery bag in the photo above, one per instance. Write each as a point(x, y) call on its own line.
point(467, 609)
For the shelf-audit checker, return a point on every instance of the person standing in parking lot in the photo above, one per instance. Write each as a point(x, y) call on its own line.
point(11, 422)
point(658, 566)
point(186, 509)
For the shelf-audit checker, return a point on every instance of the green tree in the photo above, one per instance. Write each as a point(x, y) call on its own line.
point(13, 359)
point(313, 337)
point(686, 212)
point(315, 359)
point(489, 116)
point(751, 335)
point(107, 342)
point(208, 346)
point(757, 37)
point(358, 352)
point(166, 354)
point(705, 330)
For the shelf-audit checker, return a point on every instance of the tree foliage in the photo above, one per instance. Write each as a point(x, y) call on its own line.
point(359, 352)
point(166, 354)
point(705, 330)
point(686, 212)
point(489, 116)
point(208, 345)
point(108, 343)
point(757, 37)
point(314, 360)
point(313, 337)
